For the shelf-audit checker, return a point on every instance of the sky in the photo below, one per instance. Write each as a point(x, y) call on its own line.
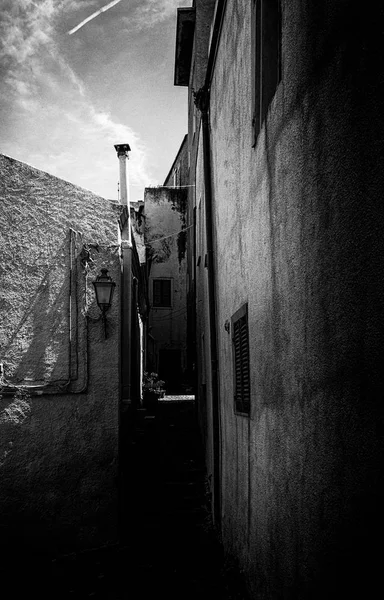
point(74, 81)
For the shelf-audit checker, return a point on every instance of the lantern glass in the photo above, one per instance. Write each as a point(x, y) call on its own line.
point(104, 288)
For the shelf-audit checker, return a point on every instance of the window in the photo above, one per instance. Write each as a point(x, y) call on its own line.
point(240, 348)
point(266, 58)
point(162, 292)
point(176, 176)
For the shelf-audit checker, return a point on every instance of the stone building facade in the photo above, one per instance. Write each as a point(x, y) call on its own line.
point(166, 243)
point(285, 103)
point(60, 376)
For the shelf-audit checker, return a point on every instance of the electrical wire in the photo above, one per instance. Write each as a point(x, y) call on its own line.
point(175, 187)
point(167, 236)
point(170, 315)
point(181, 309)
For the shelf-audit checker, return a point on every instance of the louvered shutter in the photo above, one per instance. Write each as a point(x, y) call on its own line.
point(166, 295)
point(237, 352)
point(156, 292)
point(241, 361)
point(162, 292)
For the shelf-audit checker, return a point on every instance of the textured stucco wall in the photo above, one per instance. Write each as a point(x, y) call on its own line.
point(165, 216)
point(299, 224)
point(58, 455)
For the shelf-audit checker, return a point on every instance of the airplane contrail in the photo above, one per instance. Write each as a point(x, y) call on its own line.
point(93, 15)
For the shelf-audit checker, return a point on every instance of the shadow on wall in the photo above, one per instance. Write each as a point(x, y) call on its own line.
point(39, 348)
point(58, 447)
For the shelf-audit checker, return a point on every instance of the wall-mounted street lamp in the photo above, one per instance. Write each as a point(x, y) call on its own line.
point(104, 288)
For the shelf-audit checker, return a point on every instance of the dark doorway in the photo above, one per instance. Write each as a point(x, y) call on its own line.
point(170, 370)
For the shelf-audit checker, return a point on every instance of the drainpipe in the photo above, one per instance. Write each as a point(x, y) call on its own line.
point(126, 284)
point(202, 103)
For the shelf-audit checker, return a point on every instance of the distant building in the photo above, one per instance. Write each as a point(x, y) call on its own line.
point(140, 300)
point(285, 142)
point(61, 378)
point(166, 241)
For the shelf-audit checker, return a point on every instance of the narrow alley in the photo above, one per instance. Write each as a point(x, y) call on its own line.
point(168, 547)
point(191, 300)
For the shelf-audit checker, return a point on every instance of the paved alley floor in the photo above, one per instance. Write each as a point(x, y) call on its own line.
point(167, 547)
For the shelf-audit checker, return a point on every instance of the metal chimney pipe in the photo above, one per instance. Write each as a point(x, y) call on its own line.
point(122, 153)
point(126, 285)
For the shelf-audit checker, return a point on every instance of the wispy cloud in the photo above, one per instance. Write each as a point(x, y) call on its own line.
point(150, 12)
point(67, 132)
point(93, 16)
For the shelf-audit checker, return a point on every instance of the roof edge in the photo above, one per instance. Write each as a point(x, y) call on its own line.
point(185, 30)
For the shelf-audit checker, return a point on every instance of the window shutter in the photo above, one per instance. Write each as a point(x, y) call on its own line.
point(256, 69)
point(241, 361)
point(266, 28)
point(162, 292)
point(238, 375)
point(271, 52)
point(157, 292)
point(166, 296)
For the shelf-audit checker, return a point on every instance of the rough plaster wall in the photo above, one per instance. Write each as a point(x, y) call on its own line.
point(58, 455)
point(165, 212)
point(38, 211)
point(301, 242)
